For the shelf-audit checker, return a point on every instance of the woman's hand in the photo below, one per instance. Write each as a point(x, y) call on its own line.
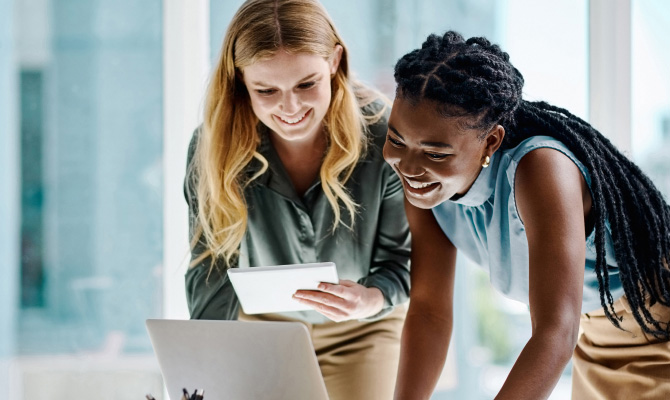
point(348, 300)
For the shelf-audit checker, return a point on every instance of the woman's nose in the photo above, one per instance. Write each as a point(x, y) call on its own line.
point(410, 168)
point(290, 103)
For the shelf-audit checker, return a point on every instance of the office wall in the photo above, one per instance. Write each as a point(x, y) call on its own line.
point(91, 131)
point(9, 198)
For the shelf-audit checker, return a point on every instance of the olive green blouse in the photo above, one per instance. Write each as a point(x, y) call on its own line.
point(284, 228)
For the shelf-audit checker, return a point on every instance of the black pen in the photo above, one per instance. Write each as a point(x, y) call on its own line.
point(150, 397)
point(185, 396)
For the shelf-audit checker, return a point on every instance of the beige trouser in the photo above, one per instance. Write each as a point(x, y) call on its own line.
point(358, 360)
point(609, 363)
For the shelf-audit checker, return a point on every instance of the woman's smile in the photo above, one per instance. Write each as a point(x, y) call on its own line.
point(294, 121)
point(419, 189)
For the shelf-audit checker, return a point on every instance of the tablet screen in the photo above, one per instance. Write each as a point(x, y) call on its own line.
point(270, 289)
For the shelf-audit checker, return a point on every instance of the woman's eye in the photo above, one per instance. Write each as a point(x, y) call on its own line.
point(394, 142)
point(436, 156)
point(306, 85)
point(265, 91)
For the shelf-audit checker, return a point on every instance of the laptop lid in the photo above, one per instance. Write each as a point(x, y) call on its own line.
point(237, 360)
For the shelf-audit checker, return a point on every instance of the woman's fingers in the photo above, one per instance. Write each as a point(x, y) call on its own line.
point(346, 289)
point(336, 290)
point(331, 312)
point(347, 300)
point(321, 298)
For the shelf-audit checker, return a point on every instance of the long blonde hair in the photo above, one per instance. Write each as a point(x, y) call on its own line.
point(229, 139)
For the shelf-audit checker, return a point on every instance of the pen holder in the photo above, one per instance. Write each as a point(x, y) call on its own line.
point(197, 395)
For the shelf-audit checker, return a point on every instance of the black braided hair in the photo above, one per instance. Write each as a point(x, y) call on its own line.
point(474, 79)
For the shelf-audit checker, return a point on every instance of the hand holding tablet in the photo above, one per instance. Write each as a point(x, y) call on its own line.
point(344, 301)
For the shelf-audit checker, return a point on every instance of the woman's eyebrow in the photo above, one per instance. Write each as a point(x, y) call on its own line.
point(310, 76)
point(392, 128)
point(440, 145)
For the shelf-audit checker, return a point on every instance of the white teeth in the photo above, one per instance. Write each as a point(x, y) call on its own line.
point(293, 121)
point(417, 185)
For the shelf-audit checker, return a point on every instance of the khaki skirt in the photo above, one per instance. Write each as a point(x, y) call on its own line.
point(358, 360)
point(610, 363)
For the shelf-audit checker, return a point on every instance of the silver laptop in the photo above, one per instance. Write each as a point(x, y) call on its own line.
point(234, 360)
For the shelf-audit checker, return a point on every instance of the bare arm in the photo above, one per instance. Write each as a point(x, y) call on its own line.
point(551, 198)
point(427, 330)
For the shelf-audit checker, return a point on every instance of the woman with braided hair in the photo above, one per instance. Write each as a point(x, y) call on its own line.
point(558, 216)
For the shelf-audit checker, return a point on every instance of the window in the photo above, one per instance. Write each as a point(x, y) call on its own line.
point(650, 63)
point(90, 138)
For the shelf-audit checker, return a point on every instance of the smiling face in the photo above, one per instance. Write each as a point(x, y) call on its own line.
point(290, 93)
point(436, 157)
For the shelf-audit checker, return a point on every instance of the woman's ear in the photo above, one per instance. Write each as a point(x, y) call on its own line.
point(493, 140)
point(335, 59)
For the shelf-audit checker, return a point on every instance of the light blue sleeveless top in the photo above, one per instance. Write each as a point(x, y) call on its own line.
point(484, 225)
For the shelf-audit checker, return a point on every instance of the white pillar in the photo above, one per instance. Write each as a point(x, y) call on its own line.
point(9, 194)
point(186, 68)
point(610, 70)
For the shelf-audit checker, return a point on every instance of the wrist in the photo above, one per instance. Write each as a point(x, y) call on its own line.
point(376, 301)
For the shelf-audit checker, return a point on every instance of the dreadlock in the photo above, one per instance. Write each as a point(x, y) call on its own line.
point(474, 78)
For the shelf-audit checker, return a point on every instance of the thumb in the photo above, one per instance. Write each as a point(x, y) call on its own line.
point(346, 282)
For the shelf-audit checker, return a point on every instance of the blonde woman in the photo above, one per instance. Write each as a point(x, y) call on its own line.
point(287, 168)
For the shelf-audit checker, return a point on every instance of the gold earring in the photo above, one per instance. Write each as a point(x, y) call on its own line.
point(487, 162)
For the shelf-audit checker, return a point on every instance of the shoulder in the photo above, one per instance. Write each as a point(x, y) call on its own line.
point(545, 179)
point(375, 108)
point(191, 178)
point(540, 171)
point(540, 162)
point(371, 166)
point(534, 143)
point(376, 115)
point(539, 154)
point(193, 144)
point(539, 158)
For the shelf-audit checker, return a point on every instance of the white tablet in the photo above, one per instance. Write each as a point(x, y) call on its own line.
point(270, 289)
